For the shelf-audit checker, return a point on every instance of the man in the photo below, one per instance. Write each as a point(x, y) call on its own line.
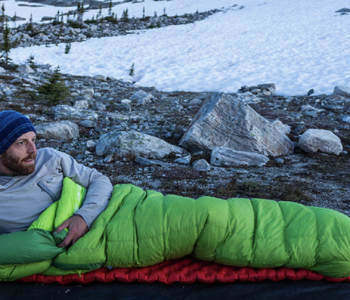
point(31, 180)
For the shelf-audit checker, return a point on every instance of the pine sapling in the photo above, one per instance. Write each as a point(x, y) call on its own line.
point(110, 5)
point(55, 90)
point(132, 70)
point(68, 47)
point(6, 45)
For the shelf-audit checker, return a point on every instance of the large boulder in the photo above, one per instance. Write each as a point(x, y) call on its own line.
point(125, 143)
point(225, 121)
point(342, 91)
point(62, 131)
point(326, 141)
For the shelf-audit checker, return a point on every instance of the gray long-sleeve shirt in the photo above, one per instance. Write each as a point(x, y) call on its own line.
point(24, 198)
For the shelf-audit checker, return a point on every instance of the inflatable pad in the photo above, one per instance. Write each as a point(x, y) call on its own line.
point(186, 270)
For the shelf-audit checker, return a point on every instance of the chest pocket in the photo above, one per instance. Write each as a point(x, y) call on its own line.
point(52, 185)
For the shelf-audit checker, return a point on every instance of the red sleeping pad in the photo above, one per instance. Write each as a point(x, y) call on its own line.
point(185, 270)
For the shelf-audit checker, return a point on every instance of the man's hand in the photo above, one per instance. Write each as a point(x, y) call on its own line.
point(76, 229)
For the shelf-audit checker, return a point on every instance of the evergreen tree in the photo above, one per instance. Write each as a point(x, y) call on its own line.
point(80, 11)
point(15, 19)
point(3, 16)
point(6, 45)
point(125, 15)
point(68, 47)
point(30, 24)
point(55, 90)
point(132, 70)
point(99, 15)
point(110, 8)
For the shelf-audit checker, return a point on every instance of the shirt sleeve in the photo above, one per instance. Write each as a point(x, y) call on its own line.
point(99, 187)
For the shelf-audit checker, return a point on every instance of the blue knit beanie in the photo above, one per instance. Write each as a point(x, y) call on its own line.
point(12, 126)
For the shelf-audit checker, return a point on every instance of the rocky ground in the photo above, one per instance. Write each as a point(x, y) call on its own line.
point(317, 179)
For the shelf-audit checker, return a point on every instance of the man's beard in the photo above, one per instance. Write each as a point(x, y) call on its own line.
point(15, 164)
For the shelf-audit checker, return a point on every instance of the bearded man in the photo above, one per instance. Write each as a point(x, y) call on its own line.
point(31, 180)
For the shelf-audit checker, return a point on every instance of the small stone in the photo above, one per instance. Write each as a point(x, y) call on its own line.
point(201, 165)
point(108, 159)
point(90, 144)
point(147, 162)
point(279, 161)
point(310, 92)
point(88, 124)
point(25, 69)
point(184, 160)
point(81, 104)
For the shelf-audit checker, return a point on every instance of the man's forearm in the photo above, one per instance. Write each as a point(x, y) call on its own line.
point(99, 187)
point(96, 200)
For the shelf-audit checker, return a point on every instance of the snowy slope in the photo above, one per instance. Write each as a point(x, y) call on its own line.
point(298, 45)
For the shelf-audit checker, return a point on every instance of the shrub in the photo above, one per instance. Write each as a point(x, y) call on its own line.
point(55, 90)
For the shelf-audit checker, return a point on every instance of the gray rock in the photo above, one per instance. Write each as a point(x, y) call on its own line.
point(301, 128)
point(314, 140)
point(16, 80)
point(61, 131)
point(279, 161)
point(201, 165)
point(125, 143)
point(256, 91)
point(221, 156)
point(90, 144)
point(142, 97)
point(310, 92)
point(89, 92)
point(100, 106)
point(266, 89)
point(81, 104)
point(147, 162)
point(108, 159)
point(25, 69)
point(29, 80)
point(225, 121)
point(184, 160)
point(69, 112)
point(346, 119)
point(100, 77)
point(343, 10)
point(195, 102)
point(122, 107)
point(116, 116)
point(310, 111)
point(88, 124)
point(342, 91)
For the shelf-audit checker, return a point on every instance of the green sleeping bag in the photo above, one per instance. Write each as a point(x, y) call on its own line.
point(141, 228)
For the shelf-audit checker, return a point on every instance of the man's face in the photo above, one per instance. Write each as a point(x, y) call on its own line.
point(19, 159)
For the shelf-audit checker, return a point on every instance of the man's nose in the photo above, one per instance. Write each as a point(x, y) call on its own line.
point(31, 148)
